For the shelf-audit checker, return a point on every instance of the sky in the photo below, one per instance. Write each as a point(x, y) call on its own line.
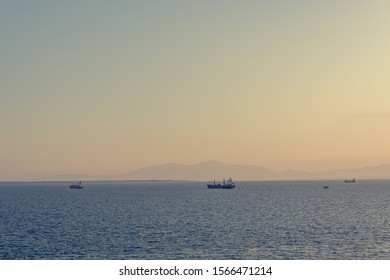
point(106, 87)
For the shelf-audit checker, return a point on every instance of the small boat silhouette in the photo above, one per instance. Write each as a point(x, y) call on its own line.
point(76, 185)
point(350, 180)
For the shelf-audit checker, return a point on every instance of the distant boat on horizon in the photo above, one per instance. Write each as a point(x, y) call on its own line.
point(350, 180)
point(76, 185)
point(228, 184)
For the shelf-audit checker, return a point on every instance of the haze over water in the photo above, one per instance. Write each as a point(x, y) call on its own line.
point(185, 220)
point(98, 87)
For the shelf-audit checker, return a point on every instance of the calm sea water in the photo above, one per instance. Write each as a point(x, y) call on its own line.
point(185, 220)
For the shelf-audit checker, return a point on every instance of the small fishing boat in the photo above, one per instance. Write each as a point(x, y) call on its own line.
point(76, 185)
point(350, 180)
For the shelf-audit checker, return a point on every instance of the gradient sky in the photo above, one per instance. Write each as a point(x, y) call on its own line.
point(105, 87)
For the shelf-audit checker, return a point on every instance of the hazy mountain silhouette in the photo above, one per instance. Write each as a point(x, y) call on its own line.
point(369, 172)
point(210, 170)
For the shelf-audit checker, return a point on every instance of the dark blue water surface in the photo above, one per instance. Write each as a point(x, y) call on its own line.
point(185, 220)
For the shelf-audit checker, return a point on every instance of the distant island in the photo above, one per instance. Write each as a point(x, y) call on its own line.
point(215, 170)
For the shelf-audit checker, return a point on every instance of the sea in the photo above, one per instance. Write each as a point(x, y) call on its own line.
point(181, 220)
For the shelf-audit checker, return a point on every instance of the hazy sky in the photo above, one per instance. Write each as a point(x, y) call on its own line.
point(105, 87)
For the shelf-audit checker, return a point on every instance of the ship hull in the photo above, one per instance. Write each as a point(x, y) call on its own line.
point(76, 186)
point(350, 181)
point(220, 187)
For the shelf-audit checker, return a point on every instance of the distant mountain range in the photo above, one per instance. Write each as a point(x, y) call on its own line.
point(210, 170)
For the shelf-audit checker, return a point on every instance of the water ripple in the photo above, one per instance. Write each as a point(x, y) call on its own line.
point(176, 220)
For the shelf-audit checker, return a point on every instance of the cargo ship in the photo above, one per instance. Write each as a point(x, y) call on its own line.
point(226, 184)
